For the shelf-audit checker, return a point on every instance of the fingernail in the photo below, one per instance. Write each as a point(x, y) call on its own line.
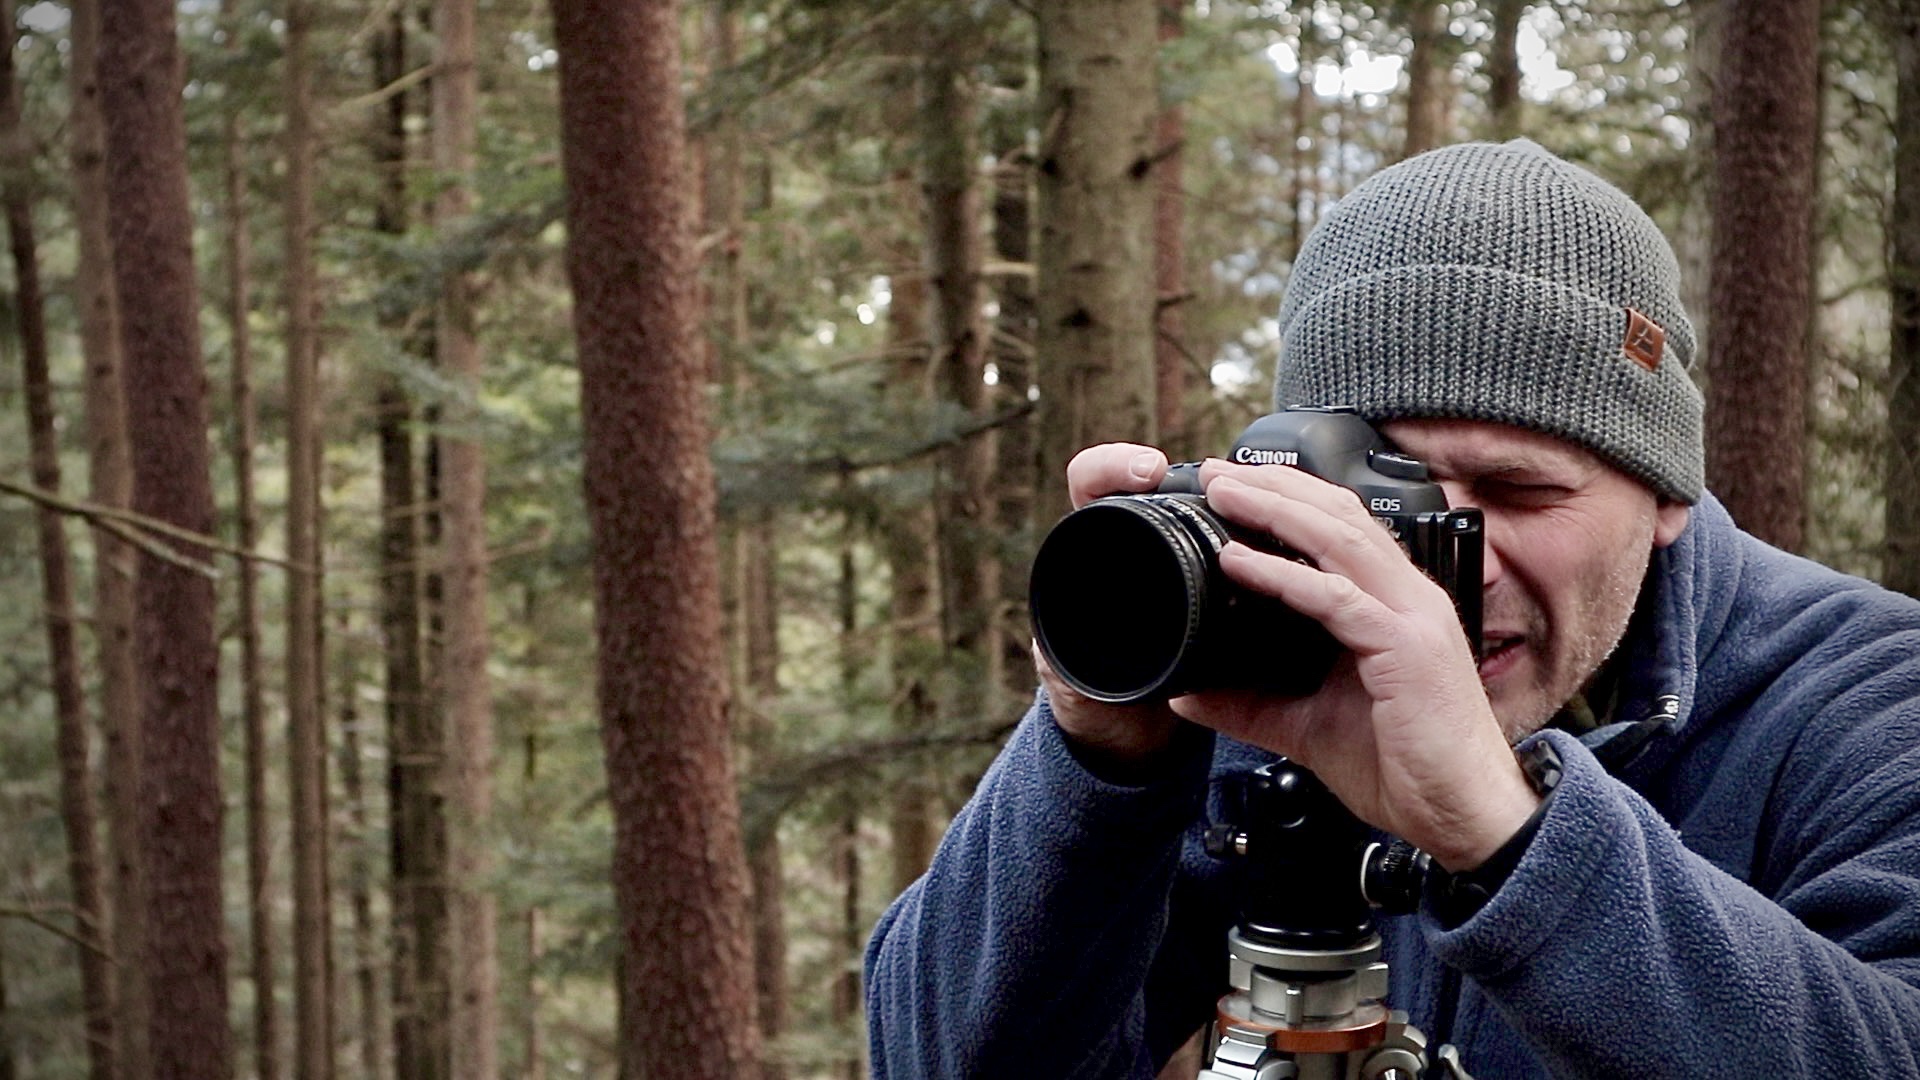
point(1143, 464)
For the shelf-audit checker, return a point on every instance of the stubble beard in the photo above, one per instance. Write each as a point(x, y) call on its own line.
point(1566, 659)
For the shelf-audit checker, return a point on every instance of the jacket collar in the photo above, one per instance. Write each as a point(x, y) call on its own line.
point(1684, 604)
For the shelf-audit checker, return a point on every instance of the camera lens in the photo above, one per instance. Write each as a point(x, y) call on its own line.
point(1119, 588)
point(1129, 604)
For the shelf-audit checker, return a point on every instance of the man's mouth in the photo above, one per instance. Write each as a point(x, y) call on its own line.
point(1498, 654)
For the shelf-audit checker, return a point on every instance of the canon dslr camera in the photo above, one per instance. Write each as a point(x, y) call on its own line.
point(1127, 596)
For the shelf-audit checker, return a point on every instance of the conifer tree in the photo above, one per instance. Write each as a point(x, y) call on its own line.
point(679, 874)
point(151, 223)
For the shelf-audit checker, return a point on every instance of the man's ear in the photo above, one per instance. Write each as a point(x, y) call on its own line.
point(1671, 522)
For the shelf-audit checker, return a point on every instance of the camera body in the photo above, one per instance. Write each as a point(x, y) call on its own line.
point(1129, 603)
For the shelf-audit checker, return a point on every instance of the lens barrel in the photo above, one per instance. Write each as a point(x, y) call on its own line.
point(1129, 604)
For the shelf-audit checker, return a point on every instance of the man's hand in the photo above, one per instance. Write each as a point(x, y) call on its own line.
point(1402, 731)
point(1126, 735)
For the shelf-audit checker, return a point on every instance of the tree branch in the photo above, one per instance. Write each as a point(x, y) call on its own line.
point(131, 527)
point(778, 784)
point(37, 917)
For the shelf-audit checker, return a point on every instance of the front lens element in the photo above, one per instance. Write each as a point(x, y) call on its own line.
point(1117, 594)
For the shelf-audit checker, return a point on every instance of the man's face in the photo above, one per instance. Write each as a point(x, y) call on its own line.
point(1568, 541)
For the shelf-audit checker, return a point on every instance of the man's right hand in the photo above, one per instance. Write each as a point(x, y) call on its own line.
point(1127, 736)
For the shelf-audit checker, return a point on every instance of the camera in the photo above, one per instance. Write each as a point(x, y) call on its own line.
point(1129, 603)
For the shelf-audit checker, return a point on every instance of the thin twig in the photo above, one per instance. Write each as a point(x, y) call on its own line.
point(398, 86)
point(100, 515)
point(35, 917)
point(155, 548)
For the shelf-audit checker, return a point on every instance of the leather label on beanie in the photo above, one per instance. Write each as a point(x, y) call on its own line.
point(1644, 340)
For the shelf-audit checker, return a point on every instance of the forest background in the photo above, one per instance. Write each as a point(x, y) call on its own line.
point(626, 427)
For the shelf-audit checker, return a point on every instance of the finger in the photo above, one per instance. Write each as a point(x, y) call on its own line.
point(1113, 469)
point(1292, 482)
point(1355, 617)
point(1343, 540)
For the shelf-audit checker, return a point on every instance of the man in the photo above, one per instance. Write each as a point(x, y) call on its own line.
point(1726, 879)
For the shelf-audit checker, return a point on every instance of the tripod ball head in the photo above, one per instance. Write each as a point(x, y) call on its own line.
point(1300, 856)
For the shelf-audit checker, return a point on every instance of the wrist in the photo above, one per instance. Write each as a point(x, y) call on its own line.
point(1456, 895)
point(1119, 745)
point(1505, 806)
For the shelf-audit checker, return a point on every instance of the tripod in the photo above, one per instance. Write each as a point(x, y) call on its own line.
point(1309, 985)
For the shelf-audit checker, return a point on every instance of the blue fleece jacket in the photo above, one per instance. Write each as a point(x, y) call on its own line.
point(1734, 893)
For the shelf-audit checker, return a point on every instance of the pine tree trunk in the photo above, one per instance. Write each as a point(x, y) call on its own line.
point(77, 812)
point(1095, 305)
point(9, 1070)
point(1425, 77)
point(1903, 376)
point(368, 1024)
point(766, 868)
point(253, 719)
point(467, 691)
point(1766, 135)
point(1015, 476)
point(964, 506)
point(417, 851)
point(751, 545)
point(110, 483)
point(907, 539)
point(760, 610)
point(679, 874)
point(846, 985)
point(1170, 360)
point(306, 738)
point(1503, 69)
point(1305, 133)
point(536, 1062)
point(532, 1034)
point(1693, 236)
point(152, 237)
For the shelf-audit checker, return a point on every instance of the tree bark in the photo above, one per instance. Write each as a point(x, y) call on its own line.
point(417, 852)
point(474, 1013)
point(306, 738)
point(1503, 69)
point(963, 506)
point(907, 543)
point(533, 1041)
point(1305, 170)
point(152, 237)
point(1015, 473)
point(1903, 375)
point(1170, 361)
point(9, 1068)
point(679, 874)
point(1693, 235)
point(366, 977)
point(751, 545)
point(1426, 80)
point(253, 720)
point(1766, 136)
point(846, 985)
point(110, 483)
point(1095, 266)
point(77, 812)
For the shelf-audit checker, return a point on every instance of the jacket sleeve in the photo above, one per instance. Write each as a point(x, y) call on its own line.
point(1617, 951)
point(1025, 949)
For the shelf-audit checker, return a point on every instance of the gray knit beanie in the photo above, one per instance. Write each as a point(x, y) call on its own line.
point(1498, 282)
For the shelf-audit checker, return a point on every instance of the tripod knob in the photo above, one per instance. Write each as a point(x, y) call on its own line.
point(1225, 841)
point(1391, 876)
